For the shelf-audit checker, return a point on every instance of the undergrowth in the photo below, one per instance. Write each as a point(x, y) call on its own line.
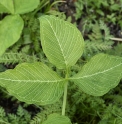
point(109, 10)
point(98, 40)
point(81, 108)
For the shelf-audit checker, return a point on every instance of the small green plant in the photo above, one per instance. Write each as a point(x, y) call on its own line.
point(21, 20)
point(21, 116)
point(94, 10)
point(14, 21)
point(63, 45)
point(98, 41)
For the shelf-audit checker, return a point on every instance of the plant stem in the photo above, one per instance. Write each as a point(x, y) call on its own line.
point(65, 93)
point(64, 99)
point(117, 39)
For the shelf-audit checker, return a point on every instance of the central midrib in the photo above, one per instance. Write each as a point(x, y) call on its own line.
point(97, 73)
point(33, 81)
point(58, 42)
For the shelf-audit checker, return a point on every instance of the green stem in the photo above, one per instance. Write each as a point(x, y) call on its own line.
point(64, 99)
point(65, 93)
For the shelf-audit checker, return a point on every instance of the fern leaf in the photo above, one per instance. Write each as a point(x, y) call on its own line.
point(36, 119)
point(12, 117)
point(12, 58)
point(2, 112)
point(103, 26)
point(20, 111)
point(92, 47)
point(98, 41)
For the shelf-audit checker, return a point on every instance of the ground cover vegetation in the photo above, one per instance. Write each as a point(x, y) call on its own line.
point(93, 96)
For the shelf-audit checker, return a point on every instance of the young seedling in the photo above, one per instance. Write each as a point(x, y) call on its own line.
point(13, 21)
point(62, 43)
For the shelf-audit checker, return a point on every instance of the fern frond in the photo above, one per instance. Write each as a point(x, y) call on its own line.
point(12, 117)
point(25, 49)
point(96, 33)
point(37, 119)
point(12, 58)
point(37, 45)
point(20, 111)
point(34, 33)
point(117, 50)
point(3, 122)
point(26, 37)
point(98, 41)
point(34, 24)
point(35, 37)
point(3, 118)
point(91, 47)
point(31, 21)
point(47, 110)
point(2, 112)
point(16, 46)
point(103, 26)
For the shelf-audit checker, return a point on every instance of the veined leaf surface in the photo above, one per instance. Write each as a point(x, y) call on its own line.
point(61, 41)
point(25, 6)
point(99, 75)
point(33, 83)
point(57, 119)
point(6, 6)
point(10, 30)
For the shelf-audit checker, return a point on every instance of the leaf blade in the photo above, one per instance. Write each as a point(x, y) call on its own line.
point(57, 119)
point(6, 6)
point(25, 6)
point(10, 29)
point(99, 75)
point(33, 83)
point(61, 41)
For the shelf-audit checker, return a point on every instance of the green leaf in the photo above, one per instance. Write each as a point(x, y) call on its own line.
point(61, 41)
point(33, 83)
point(6, 6)
point(10, 30)
point(102, 73)
point(25, 6)
point(57, 119)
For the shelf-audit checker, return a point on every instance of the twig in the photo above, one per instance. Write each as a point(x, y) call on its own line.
point(117, 39)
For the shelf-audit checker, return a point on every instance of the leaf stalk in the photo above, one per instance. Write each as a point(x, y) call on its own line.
point(65, 93)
